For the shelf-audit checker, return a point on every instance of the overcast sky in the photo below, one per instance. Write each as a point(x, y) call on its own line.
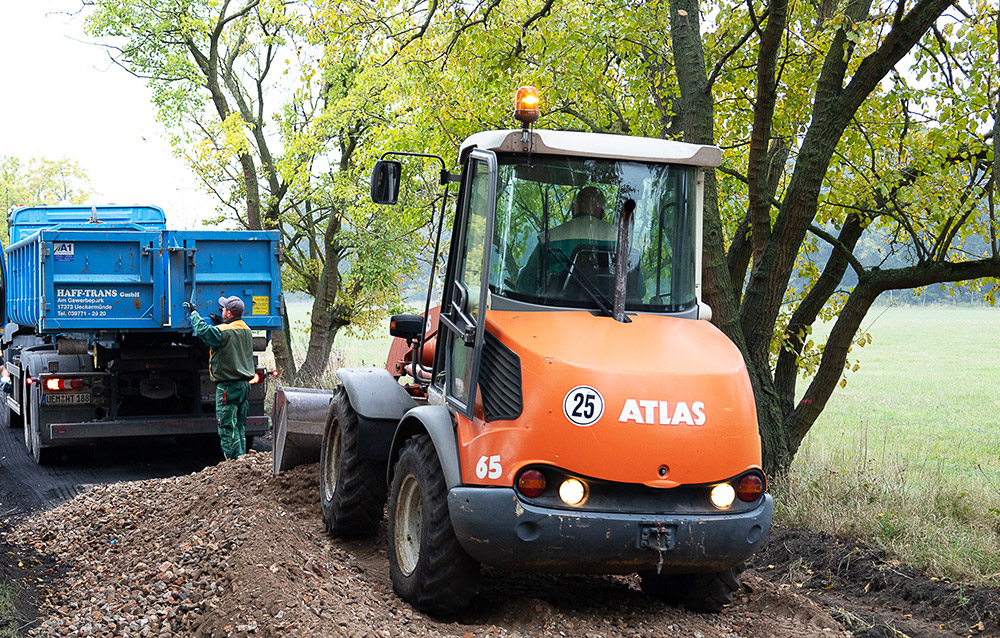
point(61, 97)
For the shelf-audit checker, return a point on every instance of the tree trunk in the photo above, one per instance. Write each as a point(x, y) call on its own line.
point(281, 347)
point(750, 319)
point(327, 318)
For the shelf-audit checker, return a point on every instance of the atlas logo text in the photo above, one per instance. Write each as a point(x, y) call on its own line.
point(651, 412)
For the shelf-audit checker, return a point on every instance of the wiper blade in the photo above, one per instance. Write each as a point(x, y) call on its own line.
point(586, 284)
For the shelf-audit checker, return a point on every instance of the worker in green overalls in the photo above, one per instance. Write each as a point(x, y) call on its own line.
point(231, 367)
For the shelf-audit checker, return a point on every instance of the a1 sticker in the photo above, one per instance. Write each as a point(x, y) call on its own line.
point(583, 405)
point(63, 251)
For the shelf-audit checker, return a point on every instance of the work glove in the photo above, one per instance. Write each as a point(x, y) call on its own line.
point(188, 306)
point(216, 318)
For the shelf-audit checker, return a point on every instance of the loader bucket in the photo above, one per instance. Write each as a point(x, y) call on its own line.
point(299, 417)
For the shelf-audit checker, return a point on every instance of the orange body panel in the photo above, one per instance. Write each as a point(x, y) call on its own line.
point(675, 394)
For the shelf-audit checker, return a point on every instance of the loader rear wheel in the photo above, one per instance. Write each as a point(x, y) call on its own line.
point(352, 489)
point(428, 567)
point(706, 593)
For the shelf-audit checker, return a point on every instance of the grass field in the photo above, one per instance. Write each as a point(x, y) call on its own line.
point(907, 455)
point(349, 348)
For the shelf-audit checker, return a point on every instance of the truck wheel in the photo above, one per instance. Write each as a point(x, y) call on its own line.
point(28, 408)
point(429, 569)
point(32, 430)
point(7, 416)
point(706, 593)
point(27, 437)
point(352, 490)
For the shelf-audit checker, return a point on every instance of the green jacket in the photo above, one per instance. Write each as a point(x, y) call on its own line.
point(231, 354)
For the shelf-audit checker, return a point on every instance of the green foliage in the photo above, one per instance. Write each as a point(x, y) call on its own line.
point(311, 94)
point(267, 102)
point(40, 181)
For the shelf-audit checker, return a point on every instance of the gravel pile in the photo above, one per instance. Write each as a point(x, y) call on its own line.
point(234, 551)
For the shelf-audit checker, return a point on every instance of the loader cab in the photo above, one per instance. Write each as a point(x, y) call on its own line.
point(556, 221)
point(556, 234)
point(539, 232)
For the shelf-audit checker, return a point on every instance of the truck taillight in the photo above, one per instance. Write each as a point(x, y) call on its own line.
point(749, 488)
point(255, 378)
point(63, 384)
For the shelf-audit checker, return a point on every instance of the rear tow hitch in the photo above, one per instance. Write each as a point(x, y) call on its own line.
point(658, 537)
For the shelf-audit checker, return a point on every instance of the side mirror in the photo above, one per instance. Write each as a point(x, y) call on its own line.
point(385, 181)
point(409, 327)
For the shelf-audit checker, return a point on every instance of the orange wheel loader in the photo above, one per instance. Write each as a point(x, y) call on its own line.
point(565, 406)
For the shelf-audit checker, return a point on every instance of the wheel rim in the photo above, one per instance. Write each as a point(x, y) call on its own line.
point(331, 469)
point(407, 524)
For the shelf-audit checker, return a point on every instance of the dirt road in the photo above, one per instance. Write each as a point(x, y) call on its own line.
point(232, 551)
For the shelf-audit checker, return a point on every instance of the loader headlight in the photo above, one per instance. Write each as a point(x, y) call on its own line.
point(572, 491)
point(723, 495)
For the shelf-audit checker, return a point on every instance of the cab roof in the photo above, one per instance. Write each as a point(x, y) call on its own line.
point(619, 147)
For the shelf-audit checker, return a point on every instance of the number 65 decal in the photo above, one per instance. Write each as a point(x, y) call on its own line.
point(489, 466)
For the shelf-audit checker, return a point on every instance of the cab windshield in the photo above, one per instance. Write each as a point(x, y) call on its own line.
point(556, 232)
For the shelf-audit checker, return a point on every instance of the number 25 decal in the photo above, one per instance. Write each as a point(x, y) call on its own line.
point(489, 466)
point(583, 405)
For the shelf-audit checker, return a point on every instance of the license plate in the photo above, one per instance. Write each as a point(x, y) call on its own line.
point(80, 397)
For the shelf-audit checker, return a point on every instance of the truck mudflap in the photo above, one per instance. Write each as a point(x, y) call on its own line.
point(496, 528)
point(72, 433)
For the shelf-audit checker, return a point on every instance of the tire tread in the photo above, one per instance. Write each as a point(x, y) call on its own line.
point(444, 579)
point(359, 499)
point(707, 592)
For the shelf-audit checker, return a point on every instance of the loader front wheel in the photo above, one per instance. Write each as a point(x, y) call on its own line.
point(352, 489)
point(428, 567)
point(706, 593)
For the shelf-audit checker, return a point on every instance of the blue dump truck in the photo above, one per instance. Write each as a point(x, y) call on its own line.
point(95, 337)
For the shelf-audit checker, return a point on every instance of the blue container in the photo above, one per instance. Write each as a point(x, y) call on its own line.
point(125, 272)
point(222, 264)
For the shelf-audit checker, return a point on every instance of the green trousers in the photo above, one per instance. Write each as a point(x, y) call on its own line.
point(232, 401)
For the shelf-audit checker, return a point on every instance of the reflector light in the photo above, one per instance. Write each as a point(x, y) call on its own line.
point(274, 373)
point(572, 491)
point(749, 488)
point(526, 105)
point(531, 483)
point(29, 380)
point(723, 495)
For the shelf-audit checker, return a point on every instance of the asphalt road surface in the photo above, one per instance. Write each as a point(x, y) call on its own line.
point(26, 487)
